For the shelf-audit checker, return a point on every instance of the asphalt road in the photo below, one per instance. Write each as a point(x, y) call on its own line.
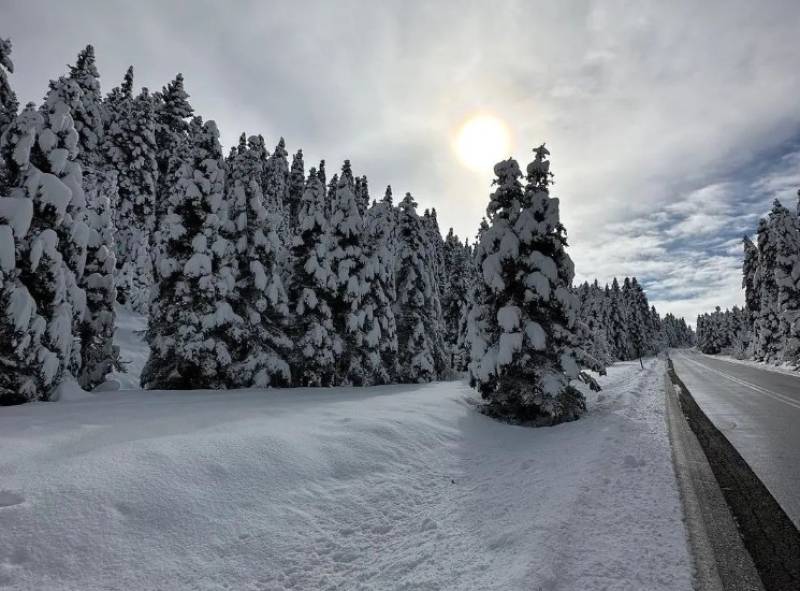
point(758, 411)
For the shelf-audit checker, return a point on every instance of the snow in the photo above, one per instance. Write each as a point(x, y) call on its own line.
point(17, 212)
point(393, 487)
point(129, 336)
point(6, 248)
point(54, 192)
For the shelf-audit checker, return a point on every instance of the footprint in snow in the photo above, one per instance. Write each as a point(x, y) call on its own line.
point(9, 499)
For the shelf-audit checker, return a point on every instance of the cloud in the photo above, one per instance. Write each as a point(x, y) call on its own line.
point(672, 125)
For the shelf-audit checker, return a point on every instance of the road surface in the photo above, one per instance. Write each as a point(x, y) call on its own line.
point(758, 411)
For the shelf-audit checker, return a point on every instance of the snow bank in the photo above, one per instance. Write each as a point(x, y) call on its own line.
point(397, 487)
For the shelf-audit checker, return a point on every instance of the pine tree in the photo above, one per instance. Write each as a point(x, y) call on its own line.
point(311, 290)
point(531, 353)
point(786, 233)
point(435, 246)
point(131, 150)
point(261, 300)
point(617, 324)
point(360, 295)
point(8, 99)
point(195, 276)
point(362, 195)
point(749, 270)
point(297, 181)
point(766, 329)
point(99, 355)
point(381, 233)
point(172, 111)
point(65, 98)
point(275, 183)
point(39, 292)
point(454, 296)
point(87, 111)
point(414, 306)
point(86, 107)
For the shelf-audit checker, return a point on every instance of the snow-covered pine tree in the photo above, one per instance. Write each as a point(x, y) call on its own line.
point(321, 174)
point(532, 352)
point(8, 99)
point(360, 295)
point(414, 307)
point(362, 194)
point(131, 150)
point(617, 323)
point(100, 191)
point(381, 233)
point(330, 196)
point(99, 355)
point(65, 98)
point(786, 233)
point(749, 271)
point(455, 296)
point(639, 321)
point(40, 294)
point(193, 347)
point(435, 244)
point(677, 332)
point(297, 182)
point(312, 288)
point(591, 316)
point(261, 300)
point(275, 183)
point(172, 111)
point(767, 325)
point(87, 111)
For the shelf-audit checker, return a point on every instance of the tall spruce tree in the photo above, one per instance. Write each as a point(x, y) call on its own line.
point(786, 234)
point(131, 151)
point(297, 181)
point(454, 295)
point(261, 300)
point(360, 294)
point(381, 234)
point(275, 184)
point(40, 292)
point(531, 351)
point(99, 355)
point(414, 307)
point(8, 99)
point(617, 323)
point(312, 289)
point(172, 111)
point(195, 276)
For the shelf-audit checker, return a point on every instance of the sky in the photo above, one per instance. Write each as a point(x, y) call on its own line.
point(672, 126)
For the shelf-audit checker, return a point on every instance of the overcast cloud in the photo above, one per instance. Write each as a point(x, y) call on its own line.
point(672, 125)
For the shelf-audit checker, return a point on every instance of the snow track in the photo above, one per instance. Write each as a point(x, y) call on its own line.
point(400, 487)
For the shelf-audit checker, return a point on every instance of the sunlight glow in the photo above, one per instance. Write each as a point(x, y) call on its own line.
point(482, 141)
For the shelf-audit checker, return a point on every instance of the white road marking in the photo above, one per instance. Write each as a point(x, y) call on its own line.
point(761, 390)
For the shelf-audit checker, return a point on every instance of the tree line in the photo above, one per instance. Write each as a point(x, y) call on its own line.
point(767, 328)
point(254, 271)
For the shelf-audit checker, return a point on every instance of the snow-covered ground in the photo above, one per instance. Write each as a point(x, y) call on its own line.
point(399, 487)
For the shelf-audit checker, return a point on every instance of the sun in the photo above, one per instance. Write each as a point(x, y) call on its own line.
point(482, 141)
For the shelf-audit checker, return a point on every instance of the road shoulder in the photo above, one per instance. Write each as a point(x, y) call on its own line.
point(721, 561)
